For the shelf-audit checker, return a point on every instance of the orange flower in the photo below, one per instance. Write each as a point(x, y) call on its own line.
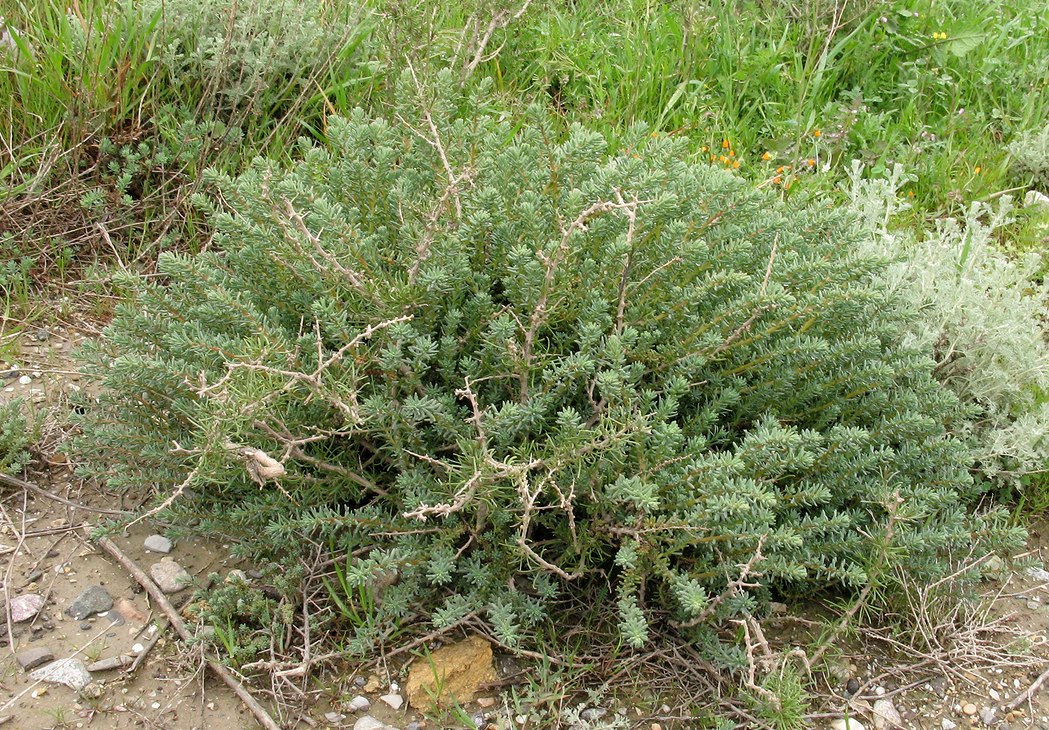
point(977, 170)
point(735, 165)
point(767, 156)
point(777, 180)
point(724, 144)
point(812, 163)
point(816, 133)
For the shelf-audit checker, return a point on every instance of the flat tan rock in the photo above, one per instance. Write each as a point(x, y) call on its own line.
point(453, 673)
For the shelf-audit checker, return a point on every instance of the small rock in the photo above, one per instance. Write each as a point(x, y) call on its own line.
point(994, 694)
point(853, 686)
point(849, 723)
point(994, 566)
point(886, 715)
point(987, 716)
point(25, 380)
point(255, 574)
point(412, 726)
point(590, 714)
point(333, 718)
point(170, 576)
point(360, 682)
point(92, 691)
point(394, 701)
point(479, 720)
point(24, 607)
point(86, 626)
point(128, 611)
point(32, 658)
point(1038, 574)
point(157, 544)
point(359, 703)
point(453, 673)
point(236, 576)
point(138, 648)
point(371, 684)
point(94, 600)
point(969, 708)
point(948, 724)
point(70, 672)
point(368, 723)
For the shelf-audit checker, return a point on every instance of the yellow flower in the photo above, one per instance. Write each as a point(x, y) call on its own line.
point(977, 170)
point(812, 163)
point(731, 153)
point(703, 148)
point(735, 165)
point(766, 156)
point(816, 133)
point(910, 193)
point(724, 144)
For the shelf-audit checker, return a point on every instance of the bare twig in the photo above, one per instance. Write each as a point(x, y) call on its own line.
point(22, 484)
point(179, 625)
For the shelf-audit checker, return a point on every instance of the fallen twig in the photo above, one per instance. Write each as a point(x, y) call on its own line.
point(1028, 693)
point(22, 484)
point(179, 625)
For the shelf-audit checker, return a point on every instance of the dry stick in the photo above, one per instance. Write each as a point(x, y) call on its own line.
point(22, 484)
point(176, 621)
point(1028, 694)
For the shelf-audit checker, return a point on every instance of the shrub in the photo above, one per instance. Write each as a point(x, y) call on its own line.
point(15, 436)
point(493, 363)
point(982, 315)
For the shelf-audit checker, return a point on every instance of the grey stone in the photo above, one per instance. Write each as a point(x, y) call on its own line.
point(24, 607)
point(32, 658)
point(95, 599)
point(987, 716)
point(333, 718)
point(359, 703)
point(158, 544)
point(593, 714)
point(1038, 574)
point(86, 626)
point(236, 576)
point(948, 724)
point(170, 576)
point(412, 726)
point(70, 672)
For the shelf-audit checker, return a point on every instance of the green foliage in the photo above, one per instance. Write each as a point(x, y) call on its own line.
point(15, 437)
point(246, 620)
point(506, 364)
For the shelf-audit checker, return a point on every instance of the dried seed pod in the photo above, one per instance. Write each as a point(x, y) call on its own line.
point(261, 466)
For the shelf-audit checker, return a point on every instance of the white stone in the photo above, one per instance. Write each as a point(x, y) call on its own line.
point(849, 723)
point(70, 672)
point(394, 701)
point(368, 723)
point(948, 724)
point(158, 544)
point(885, 715)
point(1034, 197)
point(359, 703)
point(25, 380)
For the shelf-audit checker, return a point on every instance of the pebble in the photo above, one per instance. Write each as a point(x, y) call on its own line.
point(359, 703)
point(593, 714)
point(853, 686)
point(394, 701)
point(95, 599)
point(413, 726)
point(969, 708)
point(994, 694)
point(236, 576)
point(850, 723)
point(370, 723)
point(1034, 605)
point(86, 626)
point(170, 576)
point(70, 672)
point(25, 380)
point(32, 658)
point(25, 607)
point(157, 544)
point(1039, 574)
point(948, 724)
point(987, 716)
point(886, 715)
point(360, 681)
point(333, 718)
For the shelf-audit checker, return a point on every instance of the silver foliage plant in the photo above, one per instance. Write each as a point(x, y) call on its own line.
point(983, 314)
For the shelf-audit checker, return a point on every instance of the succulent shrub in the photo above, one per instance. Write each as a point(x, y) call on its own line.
point(487, 362)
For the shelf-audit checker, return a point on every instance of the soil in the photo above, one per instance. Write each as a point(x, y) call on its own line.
point(985, 661)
